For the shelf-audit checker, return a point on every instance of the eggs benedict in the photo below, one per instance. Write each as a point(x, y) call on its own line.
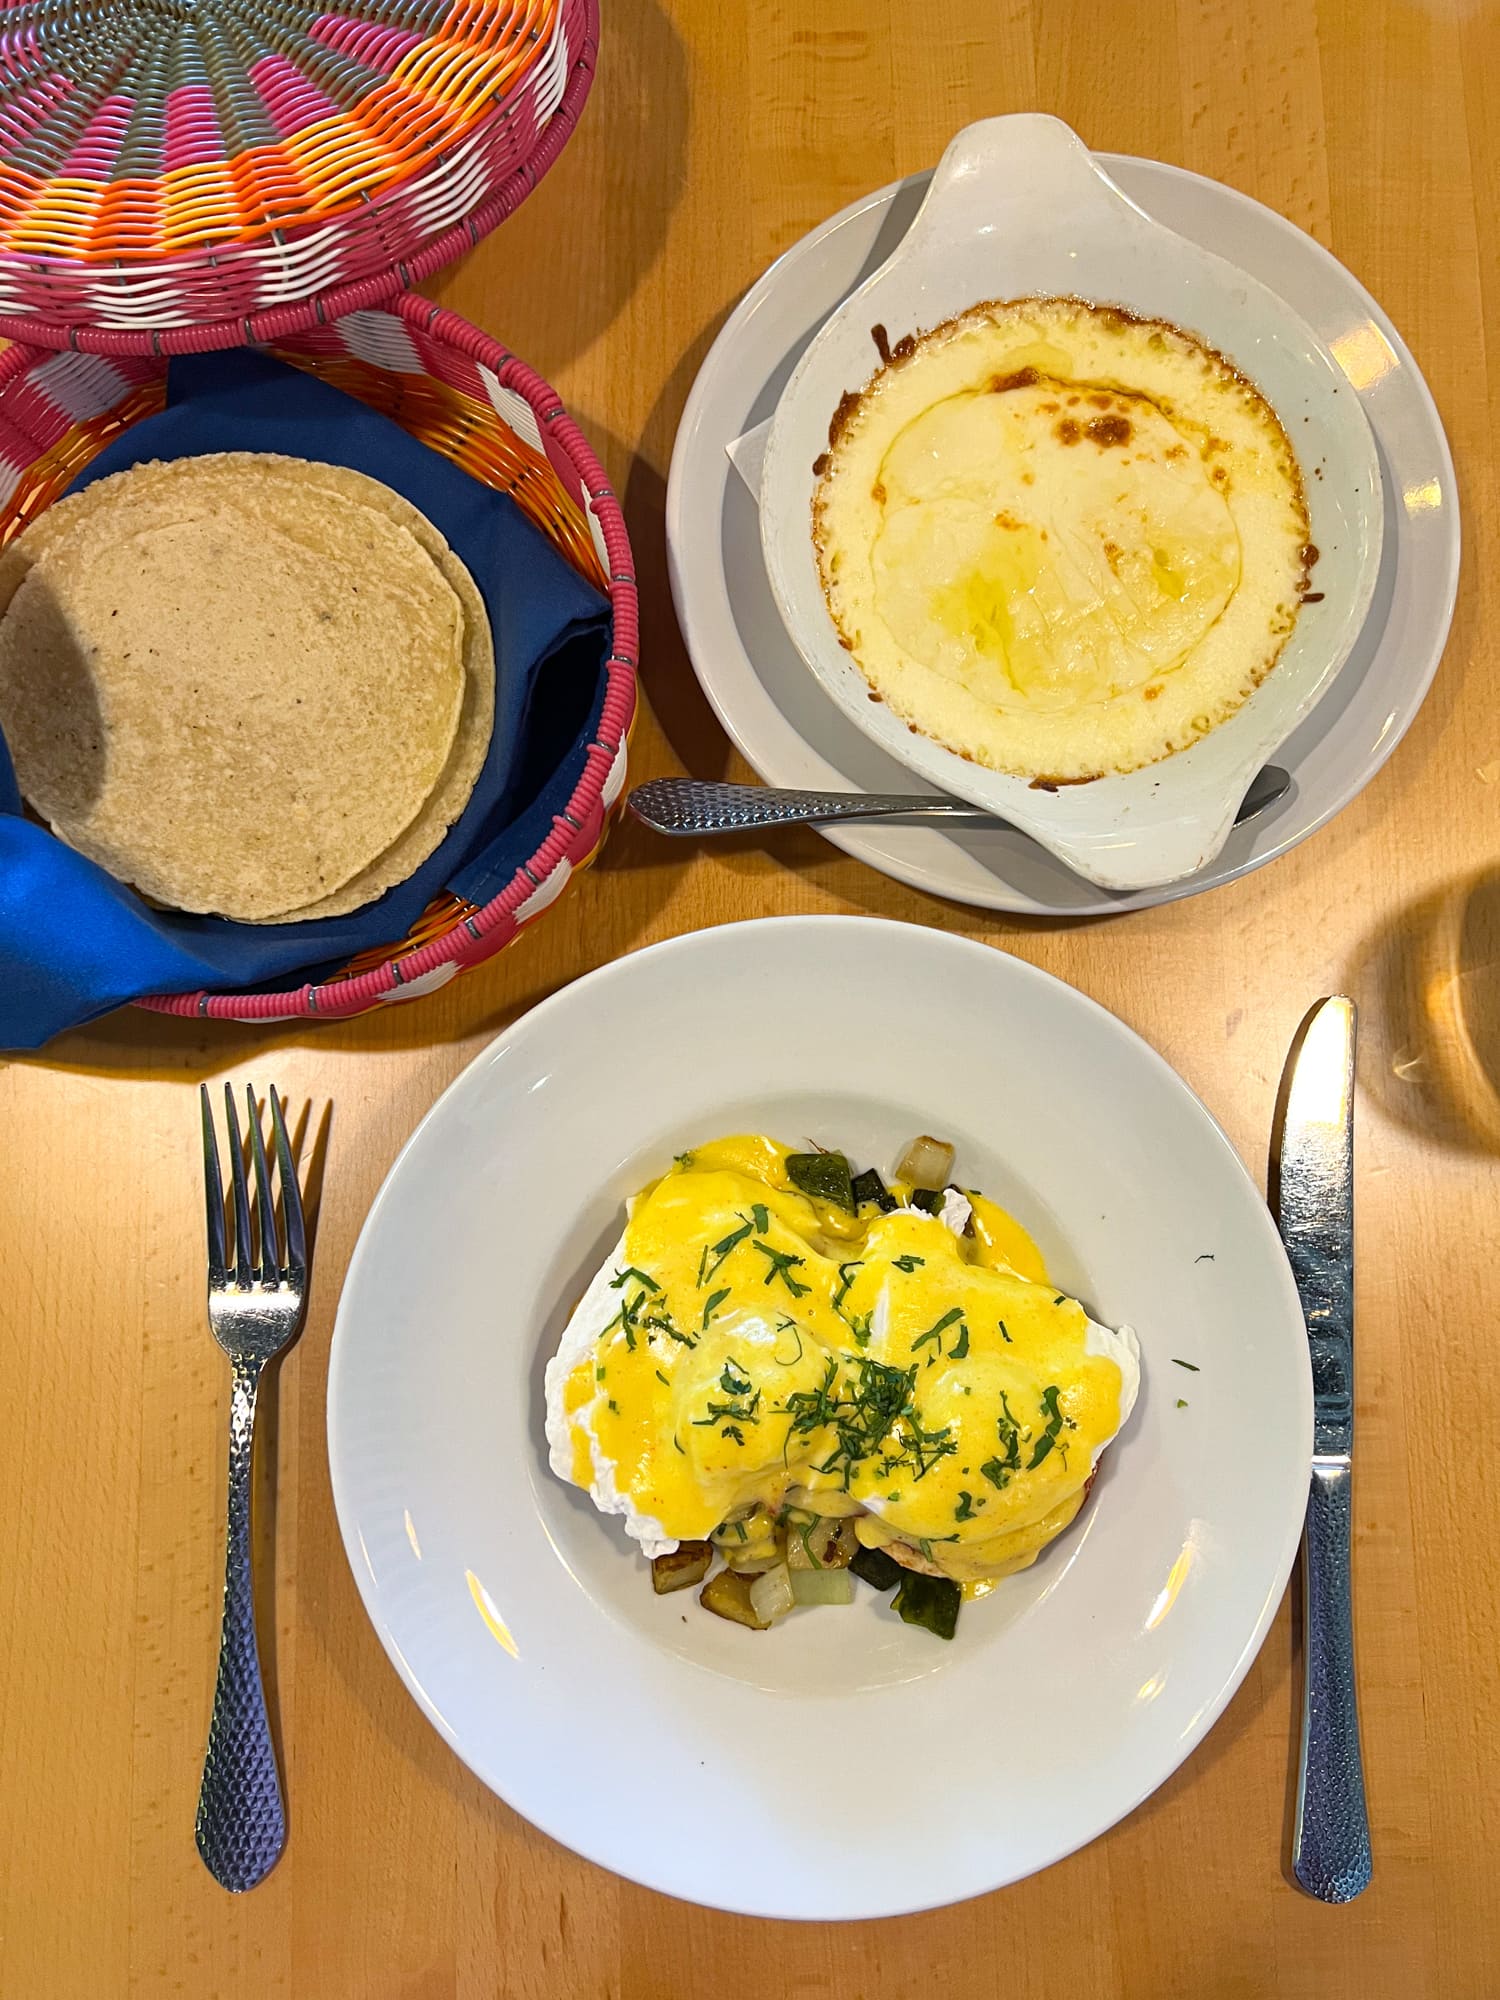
point(798, 1367)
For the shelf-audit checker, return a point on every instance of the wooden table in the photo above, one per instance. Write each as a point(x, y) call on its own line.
point(716, 136)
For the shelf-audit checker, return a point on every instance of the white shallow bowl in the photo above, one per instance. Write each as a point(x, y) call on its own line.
point(712, 1762)
point(1017, 208)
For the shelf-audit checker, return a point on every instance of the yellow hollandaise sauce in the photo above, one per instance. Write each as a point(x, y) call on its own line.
point(753, 1346)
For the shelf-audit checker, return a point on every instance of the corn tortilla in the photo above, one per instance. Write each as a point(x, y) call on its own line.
point(247, 684)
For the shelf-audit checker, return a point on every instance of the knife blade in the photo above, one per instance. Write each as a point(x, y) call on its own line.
point(1331, 1839)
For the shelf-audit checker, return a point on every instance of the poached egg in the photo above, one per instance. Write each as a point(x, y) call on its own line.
point(746, 1346)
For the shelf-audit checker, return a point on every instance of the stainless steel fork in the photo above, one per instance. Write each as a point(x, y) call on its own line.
point(256, 1310)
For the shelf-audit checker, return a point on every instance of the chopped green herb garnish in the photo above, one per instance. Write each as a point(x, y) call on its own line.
point(662, 1378)
point(999, 1469)
point(923, 1447)
point(714, 1255)
point(761, 1216)
point(712, 1304)
point(846, 1279)
point(743, 1406)
point(1206, 1258)
point(860, 1410)
point(676, 1333)
point(960, 1346)
point(676, 1441)
point(623, 1278)
point(614, 1406)
point(1182, 1402)
point(598, 1374)
point(733, 1431)
point(964, 1511)
point(1049, 1436)
point(935, 1333)
point(1061, 1299)
point(823, 1176)
point(682, 1161)
point(1191, 1365)
point(860, 1327)
point(782, 1264)
point(1004, 1334)
point(908, 1263)
point(785, 1325)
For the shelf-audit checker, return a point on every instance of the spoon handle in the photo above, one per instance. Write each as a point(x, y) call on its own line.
point(697, 805)
point(703, 805)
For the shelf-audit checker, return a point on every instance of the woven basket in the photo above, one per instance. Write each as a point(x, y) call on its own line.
point(198, 173)
point(453, 387)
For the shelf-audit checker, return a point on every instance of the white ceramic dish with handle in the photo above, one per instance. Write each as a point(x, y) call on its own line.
point(1019, 208)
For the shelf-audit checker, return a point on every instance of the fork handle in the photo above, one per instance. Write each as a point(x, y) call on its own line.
point(241, 1826)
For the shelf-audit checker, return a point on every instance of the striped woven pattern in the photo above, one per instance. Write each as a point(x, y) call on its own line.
point(188, 163)
point(461, 393)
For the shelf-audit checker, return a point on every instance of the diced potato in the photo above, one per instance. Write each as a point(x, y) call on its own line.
point(687, 1565)
point(728, 1596)
point(926, 1163)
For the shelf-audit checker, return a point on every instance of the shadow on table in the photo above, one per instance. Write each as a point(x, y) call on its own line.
point(1428, 980)
point(602, 214)
point(310, 1150)
point(682, 732)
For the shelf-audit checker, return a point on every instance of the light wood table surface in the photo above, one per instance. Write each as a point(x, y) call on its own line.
point(716, 136)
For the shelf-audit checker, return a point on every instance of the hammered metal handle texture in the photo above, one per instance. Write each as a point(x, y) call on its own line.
point(704, 805)
point(701, 805)
point(1331, 1844)
point(241, 1828)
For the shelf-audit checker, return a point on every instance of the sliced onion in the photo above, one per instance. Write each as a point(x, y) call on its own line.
point(771, 1594)
point(823, 1586)
point(926, 1163)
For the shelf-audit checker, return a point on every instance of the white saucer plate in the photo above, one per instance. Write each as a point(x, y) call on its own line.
point(793, 734)
point(844, 1764)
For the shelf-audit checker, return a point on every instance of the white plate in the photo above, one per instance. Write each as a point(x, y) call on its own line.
point(793, 734)
point(1019, 208)
point(842, 1765)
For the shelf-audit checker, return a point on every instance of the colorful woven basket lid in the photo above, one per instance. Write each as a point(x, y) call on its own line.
point(176, 165)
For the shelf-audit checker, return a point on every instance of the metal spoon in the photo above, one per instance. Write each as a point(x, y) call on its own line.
point(700, 805)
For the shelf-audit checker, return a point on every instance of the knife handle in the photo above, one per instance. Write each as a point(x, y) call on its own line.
point(1331, 1843)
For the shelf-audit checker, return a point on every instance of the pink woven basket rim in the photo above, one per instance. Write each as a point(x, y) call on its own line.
point(456, 946)
point(353, 295)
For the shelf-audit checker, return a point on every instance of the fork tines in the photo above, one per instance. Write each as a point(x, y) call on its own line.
point(278, 1264)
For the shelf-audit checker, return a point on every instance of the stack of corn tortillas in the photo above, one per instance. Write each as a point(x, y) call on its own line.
point(244, 684)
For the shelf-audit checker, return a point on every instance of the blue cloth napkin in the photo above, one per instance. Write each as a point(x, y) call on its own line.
point(74, 942)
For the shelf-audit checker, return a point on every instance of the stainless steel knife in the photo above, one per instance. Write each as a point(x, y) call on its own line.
point(1331, 1842)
